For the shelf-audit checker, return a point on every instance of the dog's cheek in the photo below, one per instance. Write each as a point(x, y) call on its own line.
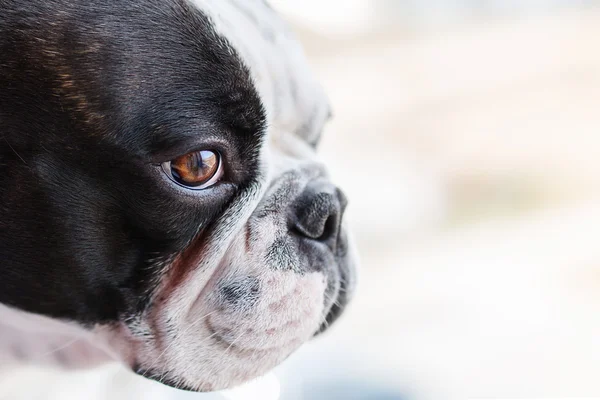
point(70, 245)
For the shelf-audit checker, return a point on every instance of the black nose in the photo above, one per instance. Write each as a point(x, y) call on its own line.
point(317, 213)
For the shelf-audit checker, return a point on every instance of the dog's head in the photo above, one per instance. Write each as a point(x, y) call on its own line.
point(159, 184)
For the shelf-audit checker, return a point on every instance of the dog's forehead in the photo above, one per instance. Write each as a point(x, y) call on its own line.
point(294, 101)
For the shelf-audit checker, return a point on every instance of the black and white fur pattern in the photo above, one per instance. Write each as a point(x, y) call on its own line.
point(101, 257)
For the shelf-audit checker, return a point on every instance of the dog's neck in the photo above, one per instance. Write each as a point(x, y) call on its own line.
point(31, 339)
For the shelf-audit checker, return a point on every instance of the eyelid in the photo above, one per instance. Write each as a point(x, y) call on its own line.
point(174, 150)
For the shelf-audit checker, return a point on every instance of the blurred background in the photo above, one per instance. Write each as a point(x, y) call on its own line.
point(467, 137)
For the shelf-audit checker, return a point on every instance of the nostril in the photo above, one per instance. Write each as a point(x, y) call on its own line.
point(329, 228)
point(303, 230)
point(318, 223)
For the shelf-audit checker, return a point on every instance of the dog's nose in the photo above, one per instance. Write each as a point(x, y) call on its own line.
point(317, 212)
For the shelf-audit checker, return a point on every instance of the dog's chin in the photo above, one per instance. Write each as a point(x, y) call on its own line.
point(242, 328)
point(236, 365)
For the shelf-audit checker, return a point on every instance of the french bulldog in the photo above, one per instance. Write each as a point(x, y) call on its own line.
point(162, 203)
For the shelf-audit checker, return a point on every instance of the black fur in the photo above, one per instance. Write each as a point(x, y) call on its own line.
point(93, 96)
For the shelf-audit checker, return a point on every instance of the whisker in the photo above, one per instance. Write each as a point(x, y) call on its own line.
point(64, 346)
point(14, 151)
point(232, 343)
point(332, 300)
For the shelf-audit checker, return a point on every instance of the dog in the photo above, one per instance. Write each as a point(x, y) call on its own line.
point(162, 203)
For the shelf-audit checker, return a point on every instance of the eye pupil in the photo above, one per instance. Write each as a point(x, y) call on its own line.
point(195, 169)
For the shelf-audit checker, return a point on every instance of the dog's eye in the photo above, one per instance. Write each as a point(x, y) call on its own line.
point(195, 170)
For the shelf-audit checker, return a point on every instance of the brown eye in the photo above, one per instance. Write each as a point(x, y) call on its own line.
point(196, 170)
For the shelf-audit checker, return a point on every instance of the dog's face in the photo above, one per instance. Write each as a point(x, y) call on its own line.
point(159, 184)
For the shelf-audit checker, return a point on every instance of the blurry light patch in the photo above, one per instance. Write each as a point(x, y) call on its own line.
point(329, 17)
point(263, 388)
point(479, 196)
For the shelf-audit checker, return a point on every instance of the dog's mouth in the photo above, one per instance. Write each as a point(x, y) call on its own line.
point(346, 284)
point(235, 338)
